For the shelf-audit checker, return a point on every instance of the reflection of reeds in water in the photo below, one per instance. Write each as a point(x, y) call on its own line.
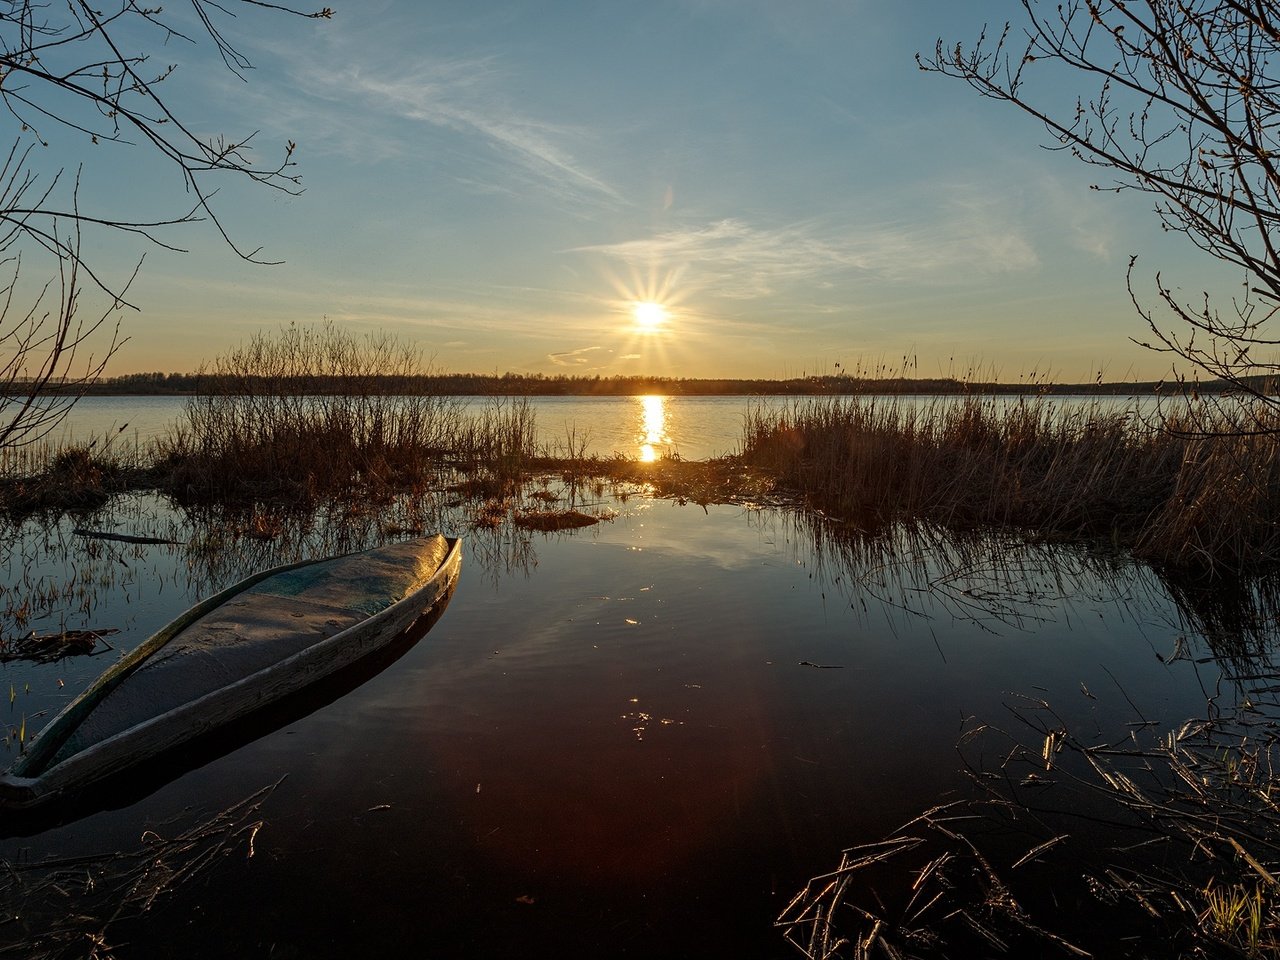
point(57, 580)
point(54, 574)
point(1237, 618)
point(1166, 490)
point(501, 552)
point(1072, 846)
point(229, 543)
point(997, 579)
point(990, 577)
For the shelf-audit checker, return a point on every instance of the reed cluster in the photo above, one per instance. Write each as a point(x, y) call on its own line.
point(303, 414)
point(500, 440)
point(1195, 488)
point(48, 478)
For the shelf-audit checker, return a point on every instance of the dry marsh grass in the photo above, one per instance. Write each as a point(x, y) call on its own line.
point(1188, 490)
point(314, 415)
point(1161, 844)
point(303, 414)
point(50, 479)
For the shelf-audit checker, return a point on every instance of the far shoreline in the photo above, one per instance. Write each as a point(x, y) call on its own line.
point(520, 385)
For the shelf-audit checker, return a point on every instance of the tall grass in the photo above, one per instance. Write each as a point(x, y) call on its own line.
point(501, 439)
point(307, 412)
point(48, 477)
point(1186, 488)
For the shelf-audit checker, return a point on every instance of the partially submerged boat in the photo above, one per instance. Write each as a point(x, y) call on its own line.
point(263, 639)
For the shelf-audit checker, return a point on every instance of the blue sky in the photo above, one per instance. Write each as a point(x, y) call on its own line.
point(499, 183)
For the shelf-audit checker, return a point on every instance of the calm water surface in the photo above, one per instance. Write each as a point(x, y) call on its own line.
point(643, 427)
point(636, 740)
point(693, 427)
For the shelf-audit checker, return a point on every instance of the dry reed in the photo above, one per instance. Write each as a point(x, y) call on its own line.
point(55, 909)
point(305, 414)
point(314, 414)
point(1161, 845)
point(76, 478)
point(1189, 490)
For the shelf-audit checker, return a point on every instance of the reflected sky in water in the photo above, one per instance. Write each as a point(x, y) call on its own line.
point(642, 737)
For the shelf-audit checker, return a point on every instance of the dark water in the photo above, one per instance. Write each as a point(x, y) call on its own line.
point(640, 739)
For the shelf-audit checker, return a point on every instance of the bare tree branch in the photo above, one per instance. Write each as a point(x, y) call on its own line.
point(73, 66)
point(1187, 110)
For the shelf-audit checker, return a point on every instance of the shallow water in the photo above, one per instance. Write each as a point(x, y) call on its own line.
point(638, 739)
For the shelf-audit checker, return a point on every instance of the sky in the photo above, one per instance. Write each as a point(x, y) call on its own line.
point(499, 184)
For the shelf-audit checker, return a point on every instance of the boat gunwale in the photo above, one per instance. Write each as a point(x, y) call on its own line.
point(50, 739)
point(18, 789)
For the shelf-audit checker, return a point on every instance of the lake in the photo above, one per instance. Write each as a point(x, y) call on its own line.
point(637, 739)
point(694, 428)
point(641, 738)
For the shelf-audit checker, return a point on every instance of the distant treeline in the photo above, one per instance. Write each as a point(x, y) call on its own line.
point(539, 385)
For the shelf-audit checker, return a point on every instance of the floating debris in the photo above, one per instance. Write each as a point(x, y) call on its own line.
point(48, 647)
point(121, 537)
point(548, 520)
point(67, 907)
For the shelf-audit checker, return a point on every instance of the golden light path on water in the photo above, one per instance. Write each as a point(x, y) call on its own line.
point(653, 427)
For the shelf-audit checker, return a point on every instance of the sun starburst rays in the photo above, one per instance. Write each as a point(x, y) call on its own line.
point(649, 315)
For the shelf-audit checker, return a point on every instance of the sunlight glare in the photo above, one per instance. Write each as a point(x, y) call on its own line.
point(649, 315)
point(654, 426)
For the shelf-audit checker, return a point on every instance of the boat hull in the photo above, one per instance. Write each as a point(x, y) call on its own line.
point(42, 775)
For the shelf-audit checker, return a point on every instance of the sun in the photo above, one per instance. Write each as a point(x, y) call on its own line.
point(649, 315)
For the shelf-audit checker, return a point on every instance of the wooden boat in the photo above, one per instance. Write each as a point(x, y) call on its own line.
point(265, 638)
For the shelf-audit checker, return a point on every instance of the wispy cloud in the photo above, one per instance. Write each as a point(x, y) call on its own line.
point(441, 316)
point(573, 358)
point(465, 97)
point(1086, 220)
point(736, 260)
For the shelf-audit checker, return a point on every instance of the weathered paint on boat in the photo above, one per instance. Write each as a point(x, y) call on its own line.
point(262, 639)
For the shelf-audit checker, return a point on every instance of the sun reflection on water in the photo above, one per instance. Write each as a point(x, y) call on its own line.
point(653, 427)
